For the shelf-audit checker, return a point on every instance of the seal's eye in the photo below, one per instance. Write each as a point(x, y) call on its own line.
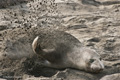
point(92, 60)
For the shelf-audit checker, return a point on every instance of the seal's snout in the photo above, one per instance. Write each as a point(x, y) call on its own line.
point(97, 66)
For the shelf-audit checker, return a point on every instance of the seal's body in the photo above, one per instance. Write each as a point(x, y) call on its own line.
point(57, 49)
point(64, 51)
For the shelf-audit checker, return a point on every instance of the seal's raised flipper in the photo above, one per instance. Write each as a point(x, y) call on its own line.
point(37, 48)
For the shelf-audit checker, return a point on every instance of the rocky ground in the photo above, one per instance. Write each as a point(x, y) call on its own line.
point(94, 23)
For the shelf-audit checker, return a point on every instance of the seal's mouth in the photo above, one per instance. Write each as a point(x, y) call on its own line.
point(93, 70)
point(96, 70)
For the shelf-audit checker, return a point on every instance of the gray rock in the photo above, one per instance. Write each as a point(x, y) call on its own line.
point(111, 77)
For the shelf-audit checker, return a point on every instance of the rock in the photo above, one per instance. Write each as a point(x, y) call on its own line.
point(4, 25)
point(2, 79)
point(111, 77)
point(71, 74)
point(6, 3)
point(91, 2)
point(95, 39)
point(77, 26)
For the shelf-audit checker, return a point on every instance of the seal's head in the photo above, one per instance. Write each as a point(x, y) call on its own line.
point(93, 60)
point(89, 60)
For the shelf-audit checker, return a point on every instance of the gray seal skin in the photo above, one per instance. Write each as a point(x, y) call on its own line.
point(65, 51)
point(57, 49)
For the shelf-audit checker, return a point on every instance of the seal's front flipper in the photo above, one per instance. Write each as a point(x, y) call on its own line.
point(44, 63)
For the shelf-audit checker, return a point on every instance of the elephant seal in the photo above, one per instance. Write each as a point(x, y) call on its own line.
point(67, 52)
point(54, 48)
